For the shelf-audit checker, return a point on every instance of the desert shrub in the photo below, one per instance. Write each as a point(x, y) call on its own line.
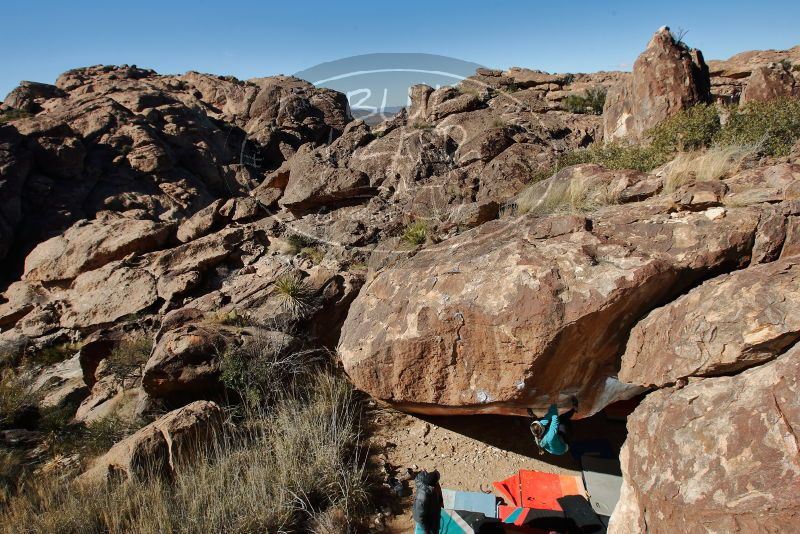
point(713, 164)
point(421, 125)
point(259, 372)
point(13, 114)
point(287, 469)
point(16, 397)
point(296, 295)
point(590, 103)
point(230, 318)
point(615, 156)
point(54, 354)
point(691, 129)
point(128, 358)
point(313, 254)
point(415, 233)
point(774, 125)
point(298, 242)
point(98, 436)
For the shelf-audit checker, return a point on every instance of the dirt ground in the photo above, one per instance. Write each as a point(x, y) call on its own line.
point(470, 452)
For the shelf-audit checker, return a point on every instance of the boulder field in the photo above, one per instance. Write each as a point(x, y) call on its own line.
point(197, 214)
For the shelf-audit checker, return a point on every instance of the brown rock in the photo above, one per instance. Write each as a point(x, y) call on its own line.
point(769, 82)
point(161, 447)
point(727, 324)
point(88, 245)
point(719, 455)
point(666, 78)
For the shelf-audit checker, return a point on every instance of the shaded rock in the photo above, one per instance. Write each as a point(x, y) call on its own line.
point(720, 455)
point(727, 324)
point(27, 96)
point(667, 78)
point(185, 361)
point(161, 447)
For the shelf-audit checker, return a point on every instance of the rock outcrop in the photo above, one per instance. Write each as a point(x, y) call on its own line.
point(666, 78)
point(719, 455)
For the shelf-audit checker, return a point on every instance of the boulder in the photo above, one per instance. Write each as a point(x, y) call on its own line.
point(719, 455)
point(769, 82)
point(161, 447)
point(321, 176)
point(707, 332)
point(666, 78)
point(185, 362)
point(505, 316)
point(88, 245)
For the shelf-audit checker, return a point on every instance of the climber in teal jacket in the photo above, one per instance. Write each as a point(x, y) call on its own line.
point(550, 433)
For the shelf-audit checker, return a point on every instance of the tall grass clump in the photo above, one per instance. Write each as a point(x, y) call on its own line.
point(577, 195)
point(288, 468)
point(716, 163)
point(295, 294)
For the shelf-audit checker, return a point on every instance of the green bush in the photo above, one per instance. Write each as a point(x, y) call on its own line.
point(774, 125)
point(259, 372)
point(54, 354)
point(615, 156)
point(416, 233)
point(16, 396)
point(590, 103)
point(691, 129)
point(127, 360)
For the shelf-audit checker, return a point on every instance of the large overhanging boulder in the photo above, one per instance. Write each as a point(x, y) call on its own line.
point(508, 315)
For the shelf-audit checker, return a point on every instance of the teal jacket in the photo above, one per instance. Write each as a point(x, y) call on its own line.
point(552, 441)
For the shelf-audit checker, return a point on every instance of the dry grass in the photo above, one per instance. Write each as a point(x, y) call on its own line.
point(287, 471)
point(16, 394)
point(714, 164)
point(563, 196)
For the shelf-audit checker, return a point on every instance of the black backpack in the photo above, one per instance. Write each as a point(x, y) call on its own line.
point(427, 508)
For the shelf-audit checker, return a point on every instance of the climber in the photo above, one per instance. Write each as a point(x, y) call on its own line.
point(550, 432)
point(428, 503)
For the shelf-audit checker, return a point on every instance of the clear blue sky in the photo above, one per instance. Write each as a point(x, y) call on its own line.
point(40, 39)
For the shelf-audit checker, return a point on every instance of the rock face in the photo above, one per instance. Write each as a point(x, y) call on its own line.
point(706, 333)
point(720, 455)
point(667, 77)
point(161, 447)
point(125, 139)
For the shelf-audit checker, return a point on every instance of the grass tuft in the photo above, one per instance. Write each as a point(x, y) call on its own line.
point(297, 296)
point(716, 163)
point(416, 233)
point(591, 102)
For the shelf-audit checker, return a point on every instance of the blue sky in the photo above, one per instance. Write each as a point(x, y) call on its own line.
point(41, 39)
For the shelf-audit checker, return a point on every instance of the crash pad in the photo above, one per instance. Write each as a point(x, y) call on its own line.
point(458, 522)
point(471, 501)
point(603, 480)
point(542, 490)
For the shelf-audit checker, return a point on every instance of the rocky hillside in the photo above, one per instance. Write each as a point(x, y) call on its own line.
point(194, 214)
